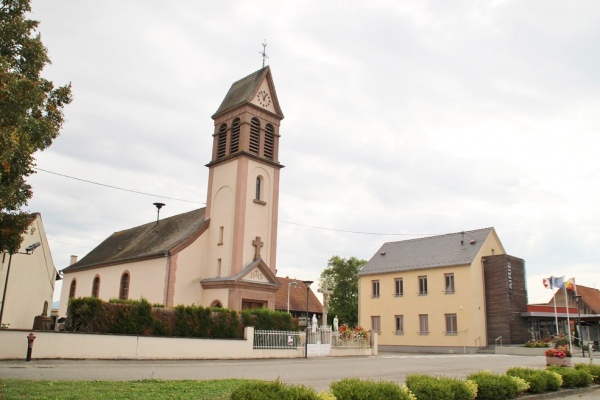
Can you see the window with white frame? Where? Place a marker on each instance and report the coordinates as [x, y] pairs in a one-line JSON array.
[[376, 324], [423, 285], [399, 287], [375, 288], [399, 324], [449, 283], [423, 324], [451, 324]]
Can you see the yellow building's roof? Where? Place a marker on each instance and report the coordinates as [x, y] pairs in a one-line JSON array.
[[459, 248]]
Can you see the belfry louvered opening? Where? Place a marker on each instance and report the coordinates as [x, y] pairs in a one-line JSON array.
[[254, 136], [269, 141], [235, 136], [222, 143]]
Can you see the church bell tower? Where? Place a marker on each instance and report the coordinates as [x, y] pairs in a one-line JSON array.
[[243, 193]]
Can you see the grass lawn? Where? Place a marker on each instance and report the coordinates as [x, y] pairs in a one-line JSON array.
[[144, 389]]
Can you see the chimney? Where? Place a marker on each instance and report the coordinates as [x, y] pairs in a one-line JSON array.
[[73, 260]]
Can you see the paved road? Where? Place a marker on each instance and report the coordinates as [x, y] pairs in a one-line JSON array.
[[315, 372]]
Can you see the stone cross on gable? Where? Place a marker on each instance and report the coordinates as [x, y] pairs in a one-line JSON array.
[[326, 292], [257, 243]]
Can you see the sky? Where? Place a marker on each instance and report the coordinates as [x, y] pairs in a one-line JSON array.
[[402, 120]]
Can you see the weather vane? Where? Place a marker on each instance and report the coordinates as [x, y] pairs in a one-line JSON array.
[[264, 52]]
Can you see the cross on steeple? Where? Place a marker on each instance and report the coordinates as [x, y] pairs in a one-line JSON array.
[[257, 243], [264, 52]]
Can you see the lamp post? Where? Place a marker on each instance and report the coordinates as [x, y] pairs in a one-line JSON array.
[[289, 288], [29, 250], [307, 283], [579, 323]]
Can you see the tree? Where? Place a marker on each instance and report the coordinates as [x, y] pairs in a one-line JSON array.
[[341, 276], [31, 115]]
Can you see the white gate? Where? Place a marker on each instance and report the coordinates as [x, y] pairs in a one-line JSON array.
[[319, 342]]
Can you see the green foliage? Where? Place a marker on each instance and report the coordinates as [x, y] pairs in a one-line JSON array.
[[592, 369], [83, 313], [573, 377], [259, 390], [147, 389], [342, 279], [31, 115], [539, 380], [491, 386], [356, 389], [426, 387], [138, 317], [265, 319]]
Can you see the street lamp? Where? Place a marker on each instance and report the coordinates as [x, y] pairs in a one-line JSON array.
[[577, 297], [307, 283], [29, 250], [289, 288]]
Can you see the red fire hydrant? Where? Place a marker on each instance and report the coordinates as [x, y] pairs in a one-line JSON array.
[[30, 339]]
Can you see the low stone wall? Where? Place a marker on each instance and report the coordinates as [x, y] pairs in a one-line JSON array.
[[68, 345], [521, 351]]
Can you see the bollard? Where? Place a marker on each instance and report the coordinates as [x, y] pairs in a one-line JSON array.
[[591, 351], [30, 339]]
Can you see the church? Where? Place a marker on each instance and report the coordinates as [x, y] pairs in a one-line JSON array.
[[223, 255]]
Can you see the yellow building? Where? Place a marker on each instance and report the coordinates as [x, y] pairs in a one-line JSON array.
[[429, 294]]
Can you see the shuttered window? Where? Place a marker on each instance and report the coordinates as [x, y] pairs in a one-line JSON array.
[[254, 146]]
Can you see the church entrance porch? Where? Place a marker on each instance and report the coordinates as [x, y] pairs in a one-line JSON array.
[[250, 304]]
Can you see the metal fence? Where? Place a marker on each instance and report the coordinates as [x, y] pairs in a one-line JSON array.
[[279, 340]]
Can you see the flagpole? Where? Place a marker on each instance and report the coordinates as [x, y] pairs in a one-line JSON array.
[[568, 320], [555, 314]]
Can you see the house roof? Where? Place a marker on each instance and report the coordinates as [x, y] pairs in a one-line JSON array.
[[429, 252], [590, 296], [297, 297], [244, 90], [144, 241]]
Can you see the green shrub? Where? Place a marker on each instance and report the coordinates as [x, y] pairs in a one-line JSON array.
[[539, 380], [573, 377], [554, 380], [491, 386], [356, 389], [83, 314], [265, 319], [592, 369], [426, 387], [259, 390]]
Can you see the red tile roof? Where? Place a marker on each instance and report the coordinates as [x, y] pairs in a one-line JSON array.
[[589, 296], [297, 297]]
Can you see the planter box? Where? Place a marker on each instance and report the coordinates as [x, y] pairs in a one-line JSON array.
[[562, 362]]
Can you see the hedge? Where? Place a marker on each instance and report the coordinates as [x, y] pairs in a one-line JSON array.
[[138, 317]]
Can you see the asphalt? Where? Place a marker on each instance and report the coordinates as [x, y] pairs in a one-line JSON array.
[[318, 372]]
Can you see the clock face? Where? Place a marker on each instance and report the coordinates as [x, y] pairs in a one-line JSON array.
[[264, 98]]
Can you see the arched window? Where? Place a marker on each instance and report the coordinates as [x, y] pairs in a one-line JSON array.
[[73, 288], [234, 146], [96, 286], [216, 304], [258, 187], [124, 288], [254, 146], [222, 141], [269, 141]]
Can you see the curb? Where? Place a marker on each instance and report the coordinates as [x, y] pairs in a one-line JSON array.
[[562, 393]]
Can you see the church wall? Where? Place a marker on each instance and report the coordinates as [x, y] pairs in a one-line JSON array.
[[189, 263], [147, 280], [221, 216], [259, 215]]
